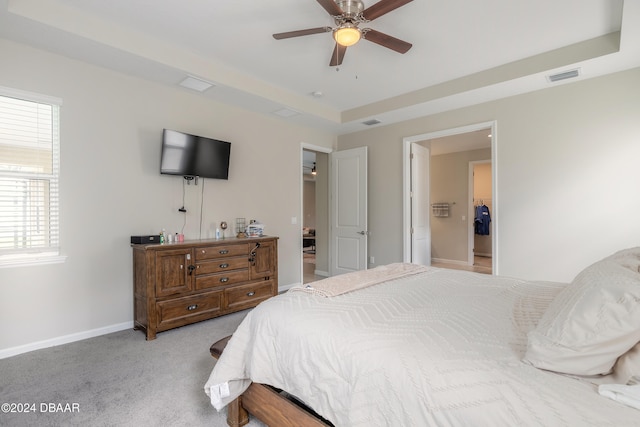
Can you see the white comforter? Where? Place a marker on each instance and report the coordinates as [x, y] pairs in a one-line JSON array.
[[439, 348]]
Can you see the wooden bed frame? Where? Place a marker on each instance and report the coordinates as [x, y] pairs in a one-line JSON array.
[[268, 404]]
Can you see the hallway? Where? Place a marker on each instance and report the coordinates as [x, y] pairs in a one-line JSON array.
[[309, 268]]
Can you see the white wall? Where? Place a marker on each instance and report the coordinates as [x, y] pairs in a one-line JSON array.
[[567, 175], [111, 126]]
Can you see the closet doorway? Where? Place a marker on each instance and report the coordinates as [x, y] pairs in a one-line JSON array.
[[452, 234], [481, 201]]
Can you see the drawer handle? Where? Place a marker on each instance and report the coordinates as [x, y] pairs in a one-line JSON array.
[[224, 265], [250, 294], [192, 307], [224, 279], [252, 255], [224, 251]]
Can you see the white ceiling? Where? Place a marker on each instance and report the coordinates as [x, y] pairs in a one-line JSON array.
[[464, 52]]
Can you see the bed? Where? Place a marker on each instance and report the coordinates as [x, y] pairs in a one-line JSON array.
[[413, 345]]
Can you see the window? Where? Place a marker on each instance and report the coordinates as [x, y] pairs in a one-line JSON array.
[[29, 172]]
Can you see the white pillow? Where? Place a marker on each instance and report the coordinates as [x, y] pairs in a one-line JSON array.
[[627, 366], [593, 321]]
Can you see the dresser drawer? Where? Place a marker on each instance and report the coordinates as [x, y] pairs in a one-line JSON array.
[[229, 250], [249, 295], [221, 279], [181, 311], [222, 264]]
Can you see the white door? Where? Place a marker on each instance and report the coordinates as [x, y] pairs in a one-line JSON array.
[[420, 226], [348, 211]]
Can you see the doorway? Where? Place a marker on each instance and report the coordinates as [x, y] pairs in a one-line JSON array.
[[314, 217], [481, 202], [457, 219]]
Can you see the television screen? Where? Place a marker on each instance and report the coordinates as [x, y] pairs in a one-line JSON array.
[[190, 155]]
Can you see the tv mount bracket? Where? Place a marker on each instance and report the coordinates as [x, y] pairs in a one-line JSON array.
[[190, 178]]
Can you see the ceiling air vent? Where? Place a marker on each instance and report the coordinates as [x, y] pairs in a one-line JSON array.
[[285, 112], [564, 75], [196, 84], [371, 122]]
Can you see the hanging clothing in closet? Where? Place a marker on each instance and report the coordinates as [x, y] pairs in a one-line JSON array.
[[482, 220]]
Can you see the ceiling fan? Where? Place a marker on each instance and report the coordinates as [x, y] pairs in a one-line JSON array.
[[348, 15]]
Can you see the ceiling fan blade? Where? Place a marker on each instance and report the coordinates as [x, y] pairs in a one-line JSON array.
[[331, 7], [298, 33], [387, 41], [382, 7], [338, 55]]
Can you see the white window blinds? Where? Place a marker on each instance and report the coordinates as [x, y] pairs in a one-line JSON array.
[[29, 171]]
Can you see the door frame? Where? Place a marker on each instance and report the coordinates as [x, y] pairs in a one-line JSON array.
[[470, 229], [406, 183], [320, 149]]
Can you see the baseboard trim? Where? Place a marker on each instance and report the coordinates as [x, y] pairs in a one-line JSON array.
[[483, 254], [285, 288], [65, 339], [449, 261]]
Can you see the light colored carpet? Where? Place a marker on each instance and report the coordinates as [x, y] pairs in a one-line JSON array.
[[119, 379]]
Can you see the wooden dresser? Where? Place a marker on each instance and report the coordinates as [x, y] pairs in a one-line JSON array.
[[175, 284]]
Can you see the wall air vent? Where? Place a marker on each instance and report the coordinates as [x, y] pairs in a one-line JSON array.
[[564, 75], [371, 122]]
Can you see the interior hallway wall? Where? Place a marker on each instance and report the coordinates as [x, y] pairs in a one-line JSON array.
[[309, 204], [322, 214]]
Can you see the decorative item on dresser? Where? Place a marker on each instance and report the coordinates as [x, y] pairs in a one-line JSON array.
[[185, 282]]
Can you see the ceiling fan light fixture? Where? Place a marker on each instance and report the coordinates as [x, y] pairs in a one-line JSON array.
[[347, 35]]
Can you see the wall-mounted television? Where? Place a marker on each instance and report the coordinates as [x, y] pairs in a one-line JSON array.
[[191, 155]]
